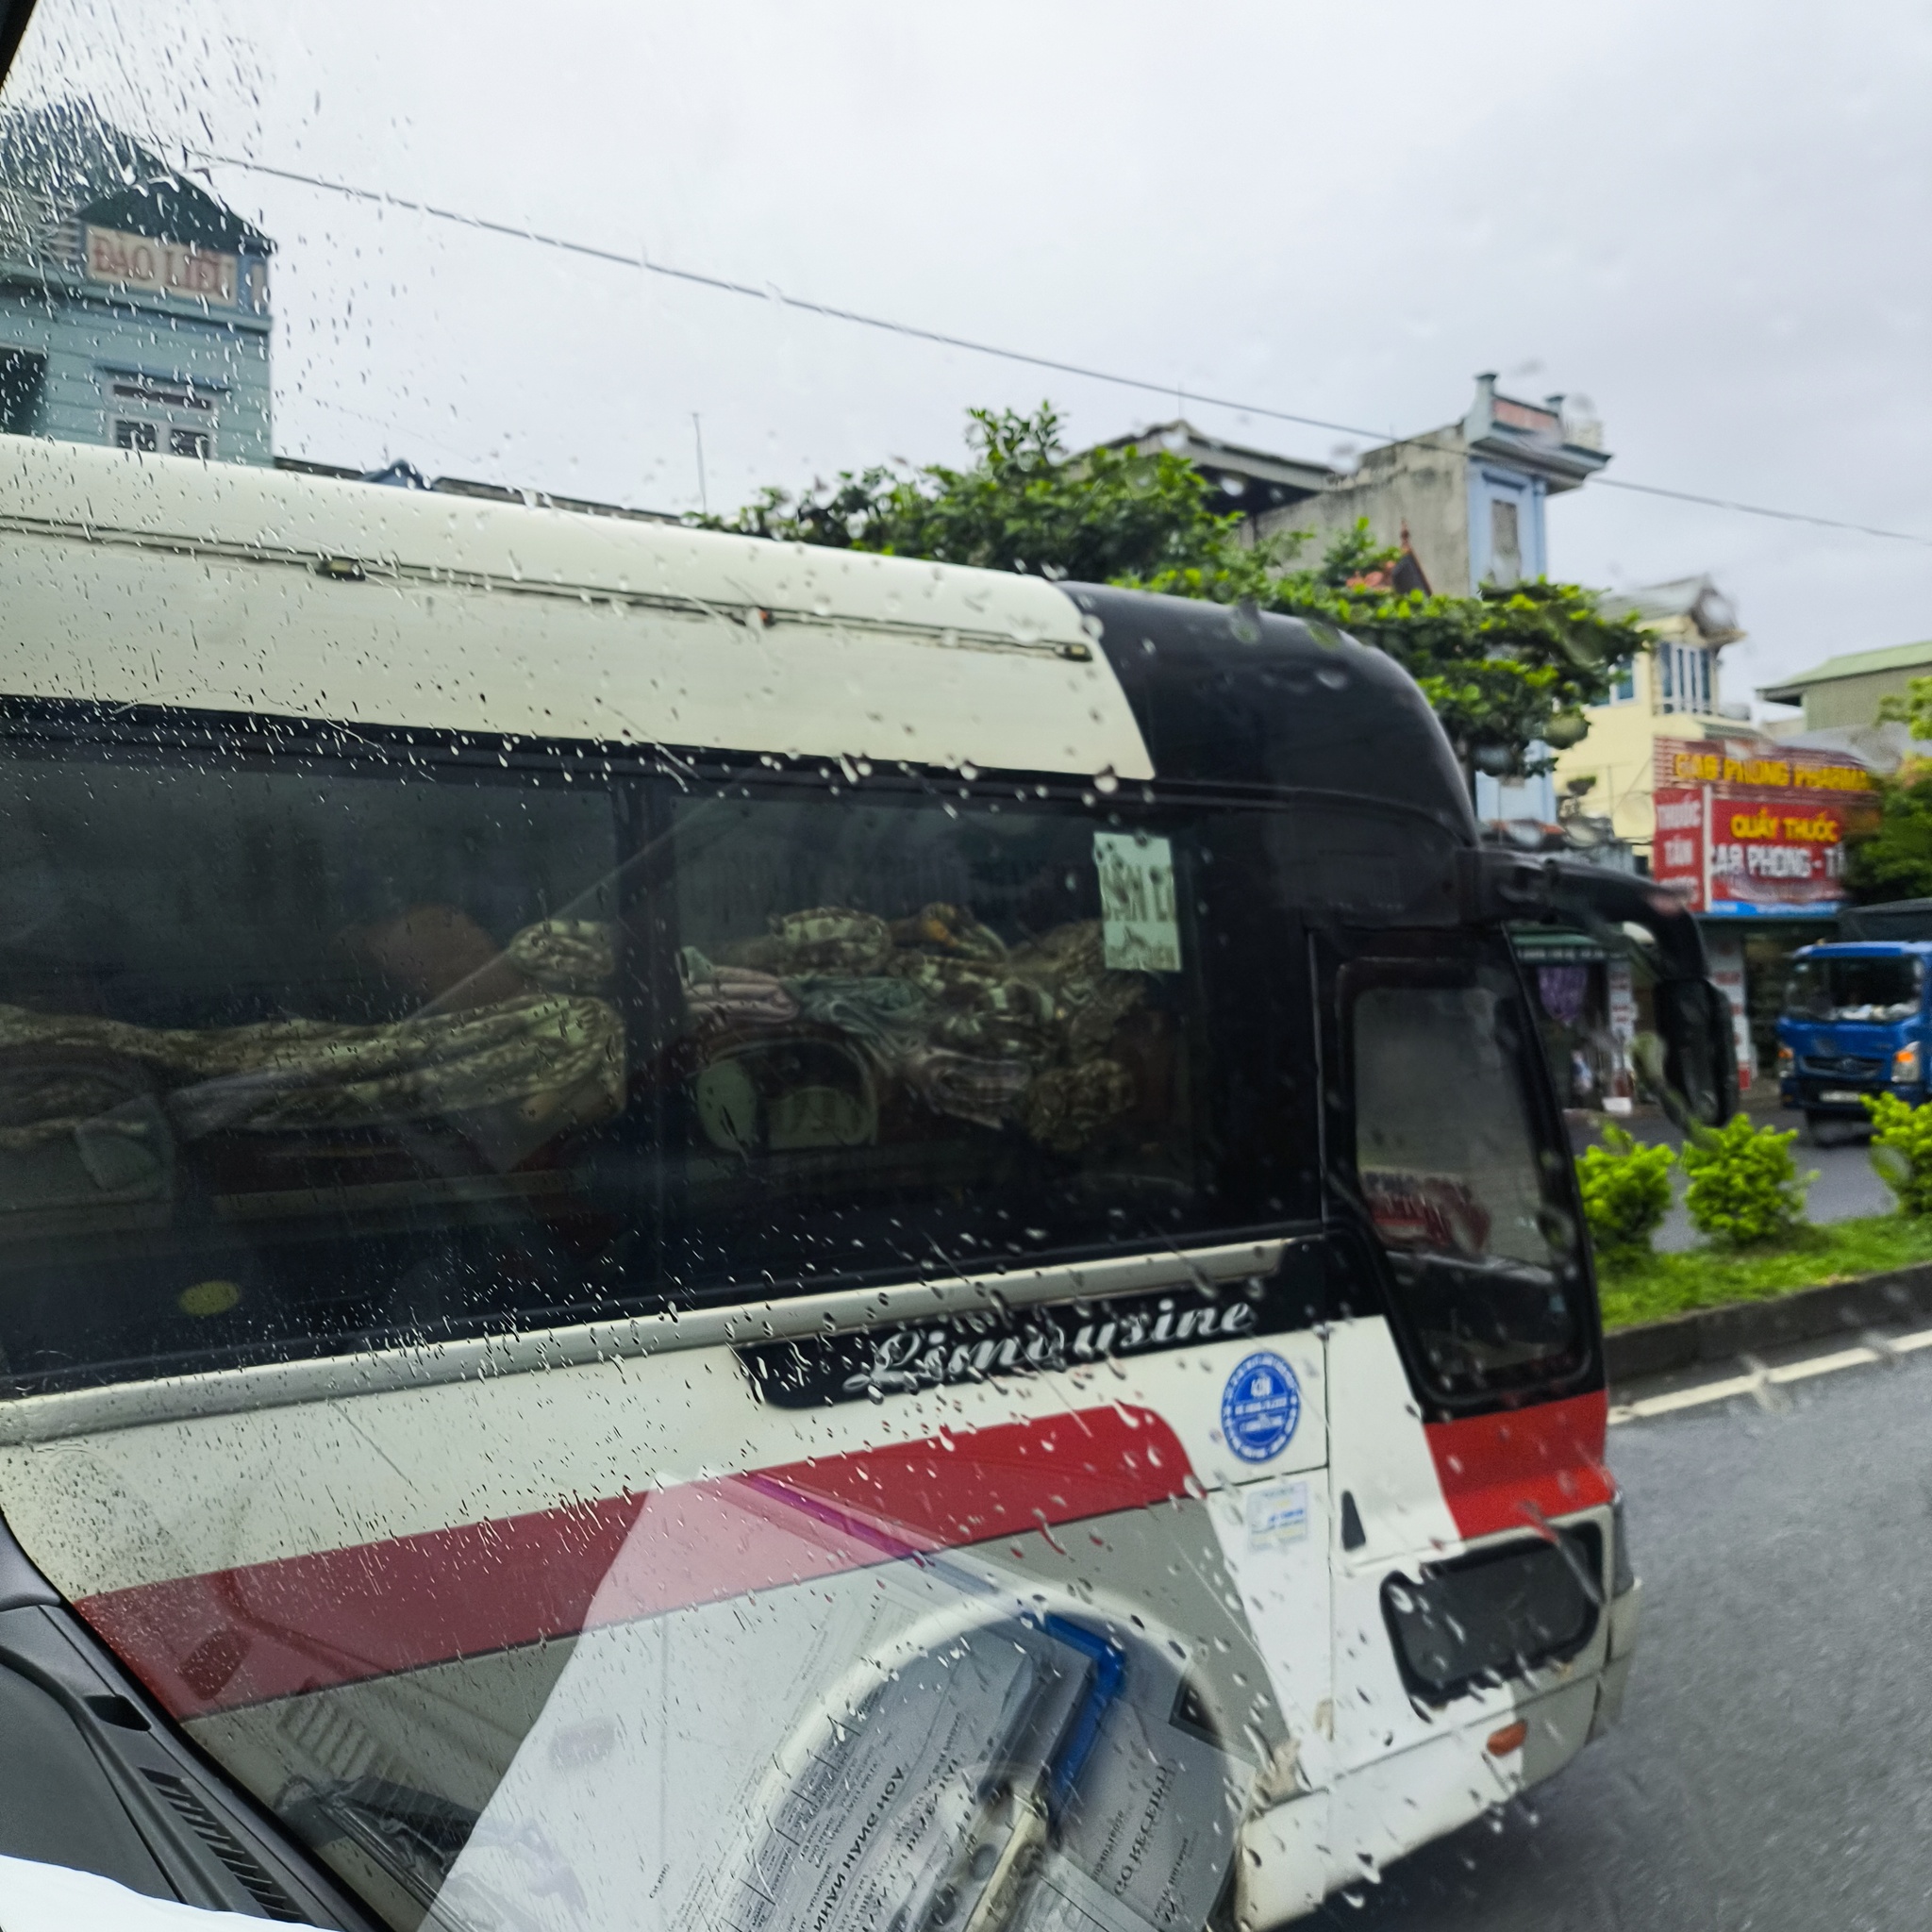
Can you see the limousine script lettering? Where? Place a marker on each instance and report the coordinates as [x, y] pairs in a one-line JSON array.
[[921, 1359], [974, 1347]]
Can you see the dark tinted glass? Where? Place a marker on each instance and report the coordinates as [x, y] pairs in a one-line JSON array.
[[1453, 1171], [310, 1052]]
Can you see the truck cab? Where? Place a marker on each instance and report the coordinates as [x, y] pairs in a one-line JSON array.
[[1853, 1025]]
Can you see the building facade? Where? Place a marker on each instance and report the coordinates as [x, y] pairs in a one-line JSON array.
[[1468, 501], [1844, 693], [134, 307], [1674, 691], [1750, 828]]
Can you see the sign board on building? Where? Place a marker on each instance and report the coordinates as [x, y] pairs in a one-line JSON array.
[[161, 268], [1744, 834]]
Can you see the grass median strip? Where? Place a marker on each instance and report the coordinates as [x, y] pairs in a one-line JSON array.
[[1646, 1287]]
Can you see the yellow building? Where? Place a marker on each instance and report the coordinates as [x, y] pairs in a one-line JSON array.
[[1671, 690]]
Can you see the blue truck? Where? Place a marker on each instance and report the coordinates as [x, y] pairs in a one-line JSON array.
[[1854, 1017]]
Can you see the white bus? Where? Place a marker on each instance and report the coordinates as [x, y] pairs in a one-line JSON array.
[[701, 1234]]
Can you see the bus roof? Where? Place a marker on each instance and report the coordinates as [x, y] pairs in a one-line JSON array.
[[140, 579], [133, 580]]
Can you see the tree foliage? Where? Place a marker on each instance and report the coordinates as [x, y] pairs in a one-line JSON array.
[[1504, 669], [1891, 855], [1625, 1189], [1743, 1184], [1891, 858], [1902, 1150]]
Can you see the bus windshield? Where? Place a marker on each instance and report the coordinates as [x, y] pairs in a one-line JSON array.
[[1852, 985]]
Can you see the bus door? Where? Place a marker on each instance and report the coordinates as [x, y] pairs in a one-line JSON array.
[[621, 1351], [1467, 1424]]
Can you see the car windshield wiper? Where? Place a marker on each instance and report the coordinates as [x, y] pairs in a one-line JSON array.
[[414, 1836]]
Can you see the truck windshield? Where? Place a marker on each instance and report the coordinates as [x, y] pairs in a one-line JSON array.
[[1855, 987]]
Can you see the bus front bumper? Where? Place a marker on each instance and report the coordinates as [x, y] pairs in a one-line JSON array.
[[1294, 1856]]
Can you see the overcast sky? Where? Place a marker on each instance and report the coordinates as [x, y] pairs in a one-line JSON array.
[[1711, 219]]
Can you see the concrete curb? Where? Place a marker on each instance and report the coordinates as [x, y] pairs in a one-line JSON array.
[[1716, 1335]]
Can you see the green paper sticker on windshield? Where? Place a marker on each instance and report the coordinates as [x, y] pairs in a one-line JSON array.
[[1138, 931]]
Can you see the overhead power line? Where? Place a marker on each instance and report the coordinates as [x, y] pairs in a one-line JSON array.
[[914, 332]]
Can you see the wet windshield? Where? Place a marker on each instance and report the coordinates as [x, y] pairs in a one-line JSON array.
[[1850, 987], [909, 931]]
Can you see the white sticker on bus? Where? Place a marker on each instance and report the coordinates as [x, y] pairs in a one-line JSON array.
[[1278, 1513], [1139, 932]]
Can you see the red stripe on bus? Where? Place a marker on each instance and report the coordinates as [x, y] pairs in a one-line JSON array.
[[1520, 1466], [235, 1637]]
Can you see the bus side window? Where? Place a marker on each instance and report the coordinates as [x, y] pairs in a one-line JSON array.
[[1451, 1177], [1443, 1150]]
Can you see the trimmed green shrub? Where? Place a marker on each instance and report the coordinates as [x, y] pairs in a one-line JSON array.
[[1625, 1189], [1902, 1150], [1744, 1185]]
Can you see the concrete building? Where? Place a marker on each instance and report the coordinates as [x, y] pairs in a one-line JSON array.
[[134, 306], [1843, 693], [1465, 503], [1467, 500], [1673, 691], [1253, 481]]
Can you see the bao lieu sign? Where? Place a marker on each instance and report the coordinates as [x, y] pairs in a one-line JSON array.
[[1744, 832], [161, 268]]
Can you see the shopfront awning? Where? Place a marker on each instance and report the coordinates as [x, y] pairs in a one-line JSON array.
[[1553, 945]]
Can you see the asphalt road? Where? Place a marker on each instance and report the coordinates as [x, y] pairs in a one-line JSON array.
[[1773, 1767]]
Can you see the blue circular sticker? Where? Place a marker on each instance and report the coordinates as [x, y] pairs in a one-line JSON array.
[[1260, 1406]]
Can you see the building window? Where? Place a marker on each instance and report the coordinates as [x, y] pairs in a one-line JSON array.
[[1684, 675], [21, 375], [1625, 690], [157, 412], [170, 395], [1506, 542]]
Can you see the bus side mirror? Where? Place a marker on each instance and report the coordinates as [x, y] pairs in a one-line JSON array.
[[1691, 1060], [1699, 1074]]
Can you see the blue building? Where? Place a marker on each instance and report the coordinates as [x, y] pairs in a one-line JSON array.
[[134, 306]]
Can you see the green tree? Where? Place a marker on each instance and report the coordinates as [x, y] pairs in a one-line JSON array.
[[1504, 669], [1890, 857], [1625, 1189], [1023, 503], [1743, 1184], [1902, 1150]]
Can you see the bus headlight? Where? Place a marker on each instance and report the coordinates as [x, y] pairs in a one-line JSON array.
[[1905, 1066], [1787, 1062]]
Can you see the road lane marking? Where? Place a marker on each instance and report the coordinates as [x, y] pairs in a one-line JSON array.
[[1760, 1379], [1824, 1364]]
